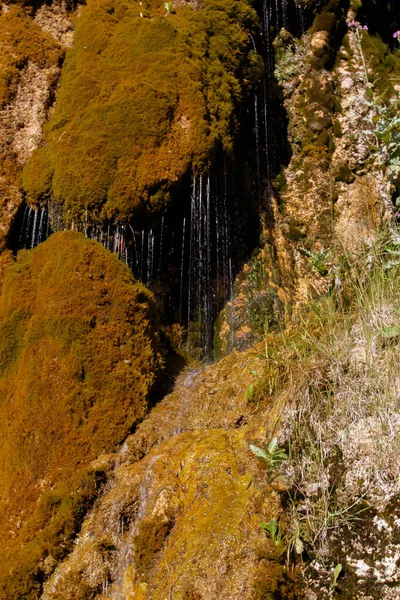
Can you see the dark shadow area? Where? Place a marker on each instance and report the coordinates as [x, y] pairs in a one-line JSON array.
[[382, 18]]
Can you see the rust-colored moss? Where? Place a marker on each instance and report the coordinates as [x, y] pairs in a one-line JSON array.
[[78, 356], [142, 99]]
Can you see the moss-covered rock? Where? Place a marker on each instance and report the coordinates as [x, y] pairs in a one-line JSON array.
[[144, 96], [184, 522], [29, 67], [78, 357]]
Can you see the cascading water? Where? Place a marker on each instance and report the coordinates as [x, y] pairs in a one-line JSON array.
[[127, 551], [270, 120], [35, 227], [194, 253], [191, 255]]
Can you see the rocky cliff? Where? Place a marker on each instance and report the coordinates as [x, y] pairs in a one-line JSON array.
[[244, 162]]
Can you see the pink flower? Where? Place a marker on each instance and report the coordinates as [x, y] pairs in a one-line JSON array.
[[365, 27], [396, 35]]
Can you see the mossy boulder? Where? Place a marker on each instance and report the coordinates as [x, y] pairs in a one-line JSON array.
[[144, 97], [78, 358]]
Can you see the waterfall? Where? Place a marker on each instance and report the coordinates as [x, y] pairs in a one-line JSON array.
[[34, 227], [190, 255]]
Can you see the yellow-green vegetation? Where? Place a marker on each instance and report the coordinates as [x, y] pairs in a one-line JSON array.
[[78, 357], [144, 96], [22, 41], [384, 64]]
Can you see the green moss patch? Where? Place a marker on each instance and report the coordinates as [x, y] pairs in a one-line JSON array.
[[142, 99]]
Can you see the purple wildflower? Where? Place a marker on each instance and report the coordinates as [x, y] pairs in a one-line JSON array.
[[365, 27], [396, 35]]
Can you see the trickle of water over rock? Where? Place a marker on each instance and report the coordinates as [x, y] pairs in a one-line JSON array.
[[184, 408], [126, 560]]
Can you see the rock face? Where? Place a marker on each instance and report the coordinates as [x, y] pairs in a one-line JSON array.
[[181, 512], [108, 495], [31, 51], [78, 358], [330, 199]]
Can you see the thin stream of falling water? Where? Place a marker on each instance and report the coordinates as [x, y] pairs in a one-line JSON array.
[[126, 554], [142, 259], [28, 227], [257, 132], [208, 291], [22, 231], [184, 408], [200, 223], [150, 248], [191, 249], [34, 228], [161, 245], [182, 267], [40, 235]]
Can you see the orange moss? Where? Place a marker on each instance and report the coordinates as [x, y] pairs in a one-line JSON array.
[[78, 356], [149, 541]]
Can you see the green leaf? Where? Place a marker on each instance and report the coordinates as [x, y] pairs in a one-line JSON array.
[[298, 546], [272, 445], [249, 392], [336, 573], [390, 332], [259, 452]]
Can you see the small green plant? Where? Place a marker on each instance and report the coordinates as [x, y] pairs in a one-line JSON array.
[[286, 67], [271, 456], [290, 542], [273, 531], [294, 539], [249, 392], [336, 572], [168, 7], [319, 260]]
